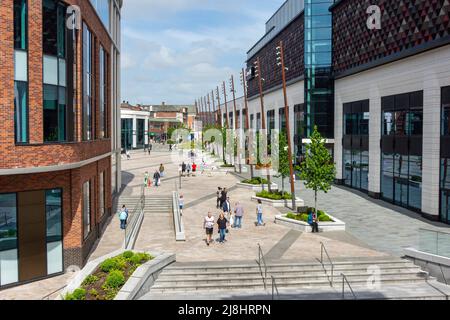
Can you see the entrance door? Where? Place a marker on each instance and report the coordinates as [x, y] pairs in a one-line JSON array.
[[32, 235], [445, 210]]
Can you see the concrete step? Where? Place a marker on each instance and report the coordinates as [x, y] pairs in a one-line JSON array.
[[391, 280], [277, 274]]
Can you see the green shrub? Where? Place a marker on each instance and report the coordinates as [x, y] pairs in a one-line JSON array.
[[93, 293], [256, 181], [90, 280], [274, 195], [78, 295], [117, 263], [127, 254], [323, 217], [140, 258], [115, 279]]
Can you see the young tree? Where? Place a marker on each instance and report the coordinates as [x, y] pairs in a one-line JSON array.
[[283, 162], [318, 169]]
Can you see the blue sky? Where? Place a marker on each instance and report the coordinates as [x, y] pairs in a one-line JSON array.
[[176, 50]]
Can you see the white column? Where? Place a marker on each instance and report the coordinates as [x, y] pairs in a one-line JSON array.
[[431, 144], [375, 124], [146, 133], [338, 135], [134, 132]]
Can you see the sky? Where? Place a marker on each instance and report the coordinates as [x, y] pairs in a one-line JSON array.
[[176, 50]]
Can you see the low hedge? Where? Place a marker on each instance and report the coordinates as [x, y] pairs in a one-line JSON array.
[[323, 217], [256, 181], [274, 195]]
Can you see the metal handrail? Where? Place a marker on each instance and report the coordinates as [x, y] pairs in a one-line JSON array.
[[47, 297], [261, 258], [138, 210], [274, 287], [345, 280], [322, 250], [434, 231]]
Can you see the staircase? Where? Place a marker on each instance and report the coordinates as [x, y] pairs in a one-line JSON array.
[[398, 278]]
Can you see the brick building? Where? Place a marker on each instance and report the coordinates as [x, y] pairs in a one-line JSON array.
[[59, 167]]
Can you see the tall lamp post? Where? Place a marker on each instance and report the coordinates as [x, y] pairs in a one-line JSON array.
[[247, 114], [258, 75], [280, 63], [214, 107], [233, 91], [220, 120], [224, 89], [209, 109]]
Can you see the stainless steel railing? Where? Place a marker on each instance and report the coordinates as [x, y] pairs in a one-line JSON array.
[[345, 281], [262, 261], [134, 218], [323, 250], [274, 288]]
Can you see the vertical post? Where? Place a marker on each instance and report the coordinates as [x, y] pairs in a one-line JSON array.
[[226, 106], [235, 120], [288, 130], [209, 109], [214, 106], [247, 114], [220, 121]]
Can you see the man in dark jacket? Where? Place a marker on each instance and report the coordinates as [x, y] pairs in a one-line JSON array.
[[157, 177]]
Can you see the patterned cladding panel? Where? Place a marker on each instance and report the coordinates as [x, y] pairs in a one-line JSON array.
[[405, 24]]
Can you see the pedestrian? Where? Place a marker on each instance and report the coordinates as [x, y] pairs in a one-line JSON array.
[[146, 179], [189, 168], [219, 195], [170, 147], [238, 214], [222, 223], [226, 208], [150, 147], [194, 169], [123, 216], [181, 203], [313, 221], [208, 225], [156, 178], [161, 170], [183, 169], [259, 214], [223, 197], [127, 152]]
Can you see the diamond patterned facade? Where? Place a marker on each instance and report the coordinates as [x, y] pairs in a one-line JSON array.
[[405, 25]]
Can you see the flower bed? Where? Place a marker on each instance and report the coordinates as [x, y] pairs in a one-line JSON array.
[[278, 195], [303, 216], [109, 277], [256, 181]]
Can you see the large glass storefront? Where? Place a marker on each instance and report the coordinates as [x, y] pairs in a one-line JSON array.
[[445, 156], [140, 138], [127, 134], [356, 145], [299, 131], [401, 178], [31, 236]]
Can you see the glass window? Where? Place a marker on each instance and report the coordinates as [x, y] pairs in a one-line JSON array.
[[87, 208], [101, 192], [53, 209], [54, 113], [281, 120], [252, 118], [446, 111], [21, 111], [20, 24], [102, 8], [9, 269], [87, 84], [50, 27], [103, 93]]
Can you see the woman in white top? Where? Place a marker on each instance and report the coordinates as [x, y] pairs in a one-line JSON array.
[[259, 214], [208, 224]]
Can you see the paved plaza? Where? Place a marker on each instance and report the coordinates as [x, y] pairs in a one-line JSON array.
[[374, 229]]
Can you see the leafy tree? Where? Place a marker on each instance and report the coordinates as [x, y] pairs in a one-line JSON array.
[[318, 169], [283, 159]]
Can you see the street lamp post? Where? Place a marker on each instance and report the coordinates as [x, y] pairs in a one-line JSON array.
[[247, 115], [258, 74], [280, 63], [233, 91], [220, 120]]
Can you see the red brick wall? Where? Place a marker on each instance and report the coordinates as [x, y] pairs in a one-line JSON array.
[[37, 154]]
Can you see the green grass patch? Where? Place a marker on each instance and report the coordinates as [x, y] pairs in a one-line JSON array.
[[274, 195], [323, 217]]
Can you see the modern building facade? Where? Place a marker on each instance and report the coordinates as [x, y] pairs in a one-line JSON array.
[[57, 170], [380, 97], [143, 123]]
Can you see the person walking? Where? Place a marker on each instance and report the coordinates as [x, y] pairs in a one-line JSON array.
[[259, 214], [181, 203], [146, 179], [194, 169], [226, 208], [189, 168], [223, 197], [161, 170], [313, 221], [127, 152], [183, 169], [123, 216], [222, 224], [150, 147], [156, 178], [208, 225], [219, 195], [238, 214]]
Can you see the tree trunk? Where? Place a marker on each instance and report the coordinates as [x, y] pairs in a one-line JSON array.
[[315, 202]]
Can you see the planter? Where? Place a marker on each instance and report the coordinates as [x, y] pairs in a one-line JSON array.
[[257, 187], [279, 203], [336, 225], [134, 286]]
